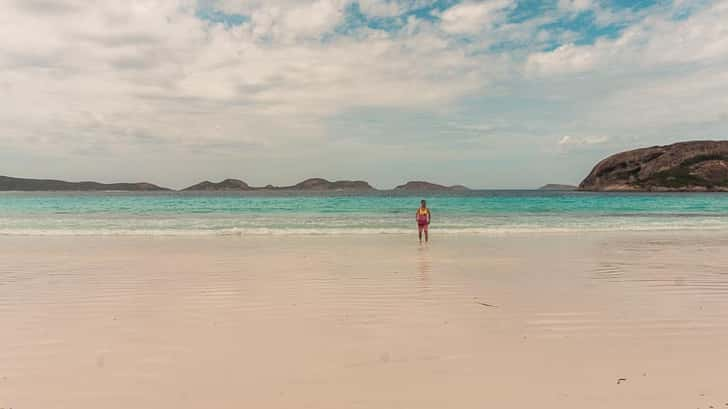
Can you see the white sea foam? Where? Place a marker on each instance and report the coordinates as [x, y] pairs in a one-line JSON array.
[[265, 231]]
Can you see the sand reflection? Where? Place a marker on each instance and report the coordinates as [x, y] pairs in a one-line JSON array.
[[424, 267]]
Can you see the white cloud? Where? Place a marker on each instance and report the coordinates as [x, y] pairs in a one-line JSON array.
[[149, 79], [657, 41], [474, 17], [152, 68], [566, 59], [569, 140], [380, 8], [575, 5], [312, 19], [660, 73]]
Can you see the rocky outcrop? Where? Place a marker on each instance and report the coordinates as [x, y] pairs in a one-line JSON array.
[[558, 187], [36, 185], [226, 185], [686, 166], [420, 186]]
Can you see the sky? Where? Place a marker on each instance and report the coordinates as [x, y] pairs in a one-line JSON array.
[[490, 94]]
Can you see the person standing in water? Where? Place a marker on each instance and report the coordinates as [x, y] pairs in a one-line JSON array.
[[423, 218]]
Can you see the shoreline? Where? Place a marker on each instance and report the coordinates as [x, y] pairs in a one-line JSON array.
[[254, 233]]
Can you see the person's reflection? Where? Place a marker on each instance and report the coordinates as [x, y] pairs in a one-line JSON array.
[[424, 265]]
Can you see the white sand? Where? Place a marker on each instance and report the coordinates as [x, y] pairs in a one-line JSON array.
[[365, 322]]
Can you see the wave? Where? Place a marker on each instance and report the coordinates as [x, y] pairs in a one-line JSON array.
[[262, 231]]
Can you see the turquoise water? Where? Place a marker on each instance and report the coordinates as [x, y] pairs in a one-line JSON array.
[[477, 212]]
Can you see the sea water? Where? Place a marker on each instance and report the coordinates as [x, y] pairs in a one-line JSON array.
[[284, 213]]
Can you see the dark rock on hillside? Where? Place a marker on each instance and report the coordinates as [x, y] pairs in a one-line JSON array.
[[226, 185], [554, 186], [420, 186], [38, 185], [685, 166]]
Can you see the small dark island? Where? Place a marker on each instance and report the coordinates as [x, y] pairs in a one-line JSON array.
[[227, 185], [319, 184], [420, 186], [699, 166]]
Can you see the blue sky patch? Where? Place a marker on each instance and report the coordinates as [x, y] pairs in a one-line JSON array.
[[529, 9], [583, 27], [355, 18], [216, 16]]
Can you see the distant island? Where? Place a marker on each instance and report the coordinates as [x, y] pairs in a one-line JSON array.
[[697, 166], [554, 186], [20, 184], [323, 184], [226, 185], [420, 186], [313, 184]]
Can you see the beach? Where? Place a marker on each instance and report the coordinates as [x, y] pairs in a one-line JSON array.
[[586, 319], [363, 204]]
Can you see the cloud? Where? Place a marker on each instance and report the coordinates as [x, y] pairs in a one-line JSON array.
[[575, 5], [381, 8], [566, 59], [569, 140], [657, 41], [151, 79], [308, 19], [474, 17], [660, 73], [133, 74]]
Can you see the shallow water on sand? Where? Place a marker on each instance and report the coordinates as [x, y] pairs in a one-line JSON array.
[[618, 320], [481, 212]]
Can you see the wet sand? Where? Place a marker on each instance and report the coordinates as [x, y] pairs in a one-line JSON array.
[[628, 320]]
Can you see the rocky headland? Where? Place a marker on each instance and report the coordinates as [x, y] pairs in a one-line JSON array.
[[697, 166]]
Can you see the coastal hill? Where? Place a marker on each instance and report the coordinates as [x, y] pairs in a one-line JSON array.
[[225, 185], [554, 186], [420, 186], [313, 184], [685, 166], [228, 185], [29, 185], [323, 184]]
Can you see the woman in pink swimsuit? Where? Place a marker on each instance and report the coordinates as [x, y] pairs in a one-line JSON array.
[[423, 217]]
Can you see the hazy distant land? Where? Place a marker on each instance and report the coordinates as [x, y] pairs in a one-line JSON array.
[[20, 184], [315, 184], [228, 185], [683, 167], [560, 187]]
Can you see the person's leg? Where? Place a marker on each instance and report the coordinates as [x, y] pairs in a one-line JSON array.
[[427, 234], [419, 230]]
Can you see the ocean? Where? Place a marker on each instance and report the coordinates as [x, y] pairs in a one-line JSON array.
[[483, 212]]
